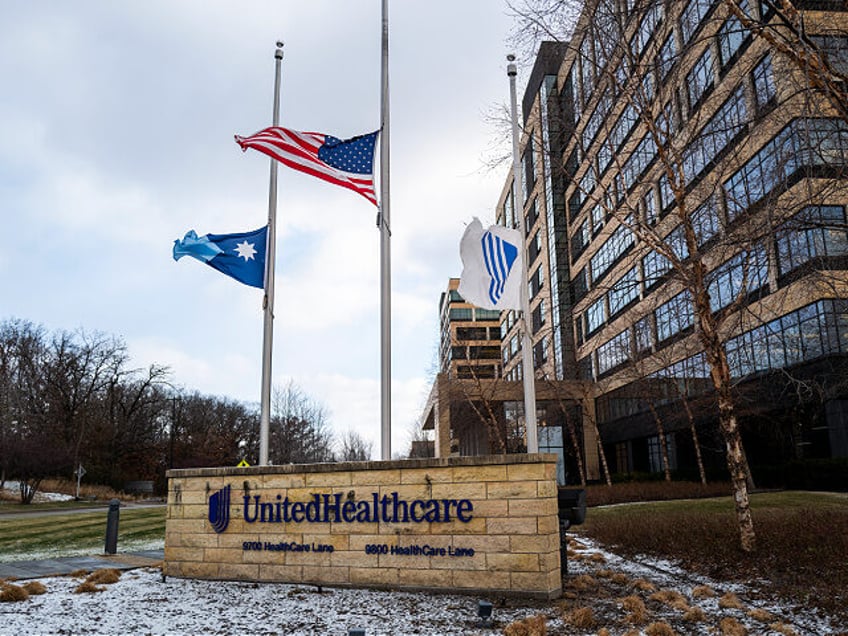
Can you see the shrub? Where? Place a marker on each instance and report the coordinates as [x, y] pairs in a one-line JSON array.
[[660, 629], [581, 618], [636, 606], [731, 627], [87, 587], [730, 601], [10, 593], [532, 626], [34, 588], [106, 576]]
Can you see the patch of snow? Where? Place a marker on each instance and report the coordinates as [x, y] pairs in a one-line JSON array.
[[142, 603], [13, 489]]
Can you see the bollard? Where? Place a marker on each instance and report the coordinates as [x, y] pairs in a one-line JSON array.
[[112, 527]]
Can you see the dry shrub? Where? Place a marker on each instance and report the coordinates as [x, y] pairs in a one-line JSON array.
[[619, 578], [582, 583], [575, 544], [660, 629], [761, 615], [644, 586], [783, 628], [581, 618], [571, 555], [636, 606], [10, 593], [731, 627], [694, 615], [106, 576], [632, 632], [730, 601], [78, 574], [87, 587], [671, 598], [603, 631], [597, 557], [604, 574], [703, 591], [34, 588], [531, 626]]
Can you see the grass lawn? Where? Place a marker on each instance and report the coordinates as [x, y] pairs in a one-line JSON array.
[[802, 540], [68, 533]]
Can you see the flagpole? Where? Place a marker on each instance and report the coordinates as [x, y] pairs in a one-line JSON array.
[[526, 346], [385, 253], [268, 302]]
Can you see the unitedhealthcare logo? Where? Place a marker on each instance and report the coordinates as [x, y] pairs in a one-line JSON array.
[[219, 509]]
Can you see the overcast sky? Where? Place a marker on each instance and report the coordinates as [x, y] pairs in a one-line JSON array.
[[116, 138]]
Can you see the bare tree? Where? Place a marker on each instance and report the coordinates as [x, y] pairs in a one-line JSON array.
[[354, 448]]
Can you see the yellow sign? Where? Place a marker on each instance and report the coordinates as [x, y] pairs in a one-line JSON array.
[[243, 464]]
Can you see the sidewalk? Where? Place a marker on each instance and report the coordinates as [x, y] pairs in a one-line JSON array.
[[66, 565]]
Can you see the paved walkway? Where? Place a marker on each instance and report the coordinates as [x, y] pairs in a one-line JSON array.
[[66, 565]]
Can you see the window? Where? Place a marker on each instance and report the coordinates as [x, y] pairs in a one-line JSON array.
[[471, 333], [529, 169], [540, 352], [740, 275], [666, 57], [731, 36], [764, 83], [692, 17], [814, 232], [535, 247], [655, 453], [579, 240], [803, 143], [674, 316], [624, 291], [579, 286], [638, 162], [835, 49], [716, 135], [536, 281], [598, 219], [654, 267], [650, 208], [460, 313], [705, 221], [487, 314], [611, 250], [587, 68], [700, 79], [595, 316], [643, 332], [539, 316], [647, 26], [613, 353]]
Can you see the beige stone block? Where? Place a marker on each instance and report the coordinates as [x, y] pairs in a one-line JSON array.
[[199, 570], [198, 541], [510, 526], [374, 576], [359, 541], [479, 473], [490, 508], [433, 541], [302, 494], [328, 480], [283, 482], [320, 575], [425, 578], [530, 472], [511, 489], [222, 555], [337, 541], [484, 543], [180, 526], [350, 558], [546, 489], [532, 507], [238, 571], [425, 475], [448, 562], [475, 526], [235, 540], [549, 561], [354, 529], [537, 544], [554, 580], [183, 554], [513, 562], [280, 573], [468, 490], [481, 580], [407, 529], [375, 477], [548, 524], [407, 493], [530, 582], [402, 561]]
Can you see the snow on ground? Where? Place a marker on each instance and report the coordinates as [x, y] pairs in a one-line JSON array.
[[13, 489], [142, 603]]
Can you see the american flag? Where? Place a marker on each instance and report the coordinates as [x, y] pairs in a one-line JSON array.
[[345, 162]]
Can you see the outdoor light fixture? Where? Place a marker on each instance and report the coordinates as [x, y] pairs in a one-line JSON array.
[[484, 611]]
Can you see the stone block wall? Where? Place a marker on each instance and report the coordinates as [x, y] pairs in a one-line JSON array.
[[499, 534]]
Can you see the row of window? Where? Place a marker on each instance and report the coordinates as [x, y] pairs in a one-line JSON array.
[[813, 233]]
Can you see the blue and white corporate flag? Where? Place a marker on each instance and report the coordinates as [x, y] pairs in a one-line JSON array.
[[491, 266], [241, 256]]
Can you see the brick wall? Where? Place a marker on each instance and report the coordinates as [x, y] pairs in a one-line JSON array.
[[513, 529]]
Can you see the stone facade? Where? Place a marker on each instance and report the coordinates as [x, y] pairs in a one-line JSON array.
[[506, 539]]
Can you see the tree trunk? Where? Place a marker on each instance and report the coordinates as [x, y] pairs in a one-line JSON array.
[[738, 466], [575, 444], [695, 441], [663, 445]]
